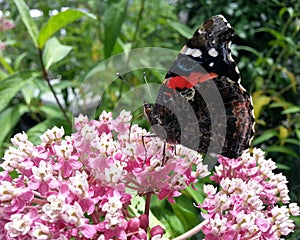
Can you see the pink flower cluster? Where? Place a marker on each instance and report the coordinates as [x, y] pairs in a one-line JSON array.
[[5, 25], [251, 201], [81, 186]]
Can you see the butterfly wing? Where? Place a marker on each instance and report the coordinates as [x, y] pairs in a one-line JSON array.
[[202, 104]]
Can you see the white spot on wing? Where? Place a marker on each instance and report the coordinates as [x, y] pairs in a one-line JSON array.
[[191, 51], [213, 52], [196, 53], [188, 51], [211, 64], [200, 31]]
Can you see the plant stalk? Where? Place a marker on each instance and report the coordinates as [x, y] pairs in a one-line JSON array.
[[47, 78]]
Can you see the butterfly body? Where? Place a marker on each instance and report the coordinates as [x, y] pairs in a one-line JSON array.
[[202, 104]]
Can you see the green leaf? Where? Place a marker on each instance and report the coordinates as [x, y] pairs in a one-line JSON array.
[[249, 49], [297, 221], [297, 132], [58, 22], [294, 109], [282, 149], [280, 104], [264, 137], [6, 66], [52, 111], [284, 10], [294, 141], [28, 21], [19, 59], [28, 92], [167, 217], [197, 195], [66, 84], [182, 29], [3, 74], [278, 35], [283, 166], [186, 212], [9, 87], [259, 102], [283, 134], [54, 52], [113, 19], [290, 75], [8, 120]]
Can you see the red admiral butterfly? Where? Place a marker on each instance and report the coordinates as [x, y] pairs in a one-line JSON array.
[[202, 104]]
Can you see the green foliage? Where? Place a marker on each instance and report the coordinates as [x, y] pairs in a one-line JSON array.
[[27, 20], [57, 22], [114, 17], [52, 54], [24, 78]]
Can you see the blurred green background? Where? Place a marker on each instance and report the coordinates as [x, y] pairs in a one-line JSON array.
[[44, 47]]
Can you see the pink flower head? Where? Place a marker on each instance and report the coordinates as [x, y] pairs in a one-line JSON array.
[[5, 24], [81, 186], [247, 204]]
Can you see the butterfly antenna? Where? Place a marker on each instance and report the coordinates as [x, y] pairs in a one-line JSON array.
[[146, 81], [124, 80]]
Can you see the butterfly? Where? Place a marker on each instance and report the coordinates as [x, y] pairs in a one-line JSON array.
[[202, 104]]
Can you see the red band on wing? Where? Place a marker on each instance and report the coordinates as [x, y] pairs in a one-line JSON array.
[[187, 82]]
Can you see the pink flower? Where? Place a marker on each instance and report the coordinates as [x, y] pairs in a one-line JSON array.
[[294, 209], [157, 230], [40, 231], [52, 135], [246, 205], [13, 197], [169, 194], [2, 48], [20, 223], [82, 186], [5, 24]]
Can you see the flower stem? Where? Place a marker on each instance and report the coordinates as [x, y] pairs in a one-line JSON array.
[[47, 78], [147, 205]]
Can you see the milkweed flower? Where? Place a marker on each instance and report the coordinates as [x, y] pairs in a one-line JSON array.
[[81, 185], [251, 201]]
